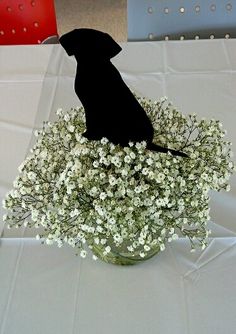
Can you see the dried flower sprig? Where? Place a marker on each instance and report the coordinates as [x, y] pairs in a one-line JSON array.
[[93, 192]]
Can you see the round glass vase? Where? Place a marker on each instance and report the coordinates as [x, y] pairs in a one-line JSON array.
[[120, 255]]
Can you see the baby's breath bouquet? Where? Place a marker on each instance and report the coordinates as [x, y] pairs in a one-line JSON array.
[[124, 203]]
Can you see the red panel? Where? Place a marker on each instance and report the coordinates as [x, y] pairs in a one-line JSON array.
[[27, 21]]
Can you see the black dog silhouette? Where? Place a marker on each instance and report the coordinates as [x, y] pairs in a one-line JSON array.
[[111, 110]]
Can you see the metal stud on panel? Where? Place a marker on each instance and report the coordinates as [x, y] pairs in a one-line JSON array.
[[228, 6], [213, 7], [198, 19]]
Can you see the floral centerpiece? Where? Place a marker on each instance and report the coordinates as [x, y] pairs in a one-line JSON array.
[[124, 203]]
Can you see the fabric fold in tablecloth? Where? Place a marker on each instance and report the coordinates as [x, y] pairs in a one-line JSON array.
[[49, 290]]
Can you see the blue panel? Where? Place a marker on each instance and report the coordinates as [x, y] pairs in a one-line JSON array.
[[155, 19]]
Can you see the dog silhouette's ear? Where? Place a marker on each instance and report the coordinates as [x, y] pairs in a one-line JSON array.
[[108, 47], [89, 43], [68, 41]]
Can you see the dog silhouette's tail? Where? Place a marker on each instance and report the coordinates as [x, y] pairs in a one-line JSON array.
[[157, 148]]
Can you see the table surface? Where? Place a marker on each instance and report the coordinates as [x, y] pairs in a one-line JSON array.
[[49, 290]]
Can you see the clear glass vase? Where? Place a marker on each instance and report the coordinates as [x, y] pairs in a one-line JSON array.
[[121, 256]]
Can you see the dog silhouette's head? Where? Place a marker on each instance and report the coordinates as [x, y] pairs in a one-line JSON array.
[[89, 43]]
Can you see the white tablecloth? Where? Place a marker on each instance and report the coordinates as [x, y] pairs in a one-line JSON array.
[[49, 290]]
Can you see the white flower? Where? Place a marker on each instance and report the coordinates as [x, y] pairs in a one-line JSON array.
[[145, 171], [83, 253], [102, 175], [159, 202], [49, 241], [95, 164], [74, 213], [162, 247], [71, 128], [116, 161], [112, 221], [127, 159], [130, 248], [81, 190], [172, 230], [138, 167], [117, 238], [94, 191], [163, 99], [99, 229], [180, 201], [112, 180], [149, 161], [124, 172], [108, 249], [4, 204], [59, 243], [78, 136], [59, 112], [71, 242], [160, 177], [96, 240], [104, 141], [102, 196], [194, 203], [136, 201], [141, 241], [44, 154], [132, 155], [140, 146], [66, 118], [36, 133], [163, 231], [147, 248], [34, 214]]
